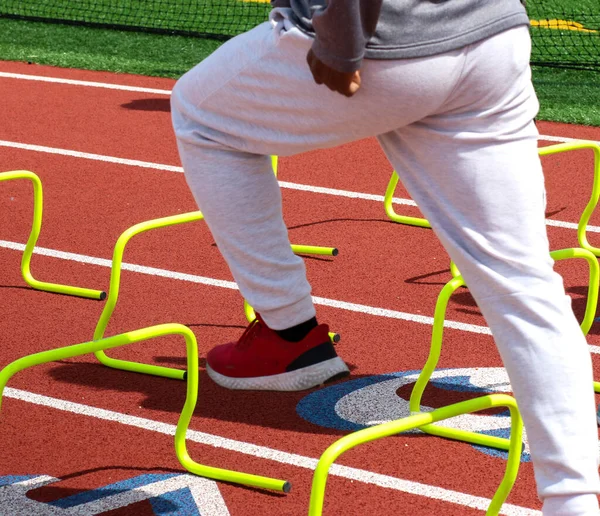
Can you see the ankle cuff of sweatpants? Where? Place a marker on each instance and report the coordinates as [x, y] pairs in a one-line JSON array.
[[571, 505], [290, 315]]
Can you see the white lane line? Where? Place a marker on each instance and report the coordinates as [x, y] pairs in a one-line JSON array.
[[192, 278], [263, 452], [213, 282], [125, 87], [205, 493], [141, 269], [570, 225], [87, 155], [284, 184], [565, 139], [91, 84], [139, 89], [343, 193], [171, 168], [393, 314]]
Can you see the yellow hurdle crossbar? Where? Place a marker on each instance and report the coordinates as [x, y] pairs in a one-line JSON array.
[[422, 420], [437, 337], [543, 151], [191, 375]]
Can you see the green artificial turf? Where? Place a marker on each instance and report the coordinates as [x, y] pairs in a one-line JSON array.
[[561, 6], [101, 49], [565, 95], [220, 17], [571, 96]]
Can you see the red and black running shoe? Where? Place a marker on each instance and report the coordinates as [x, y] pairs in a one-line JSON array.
[[262, 360]]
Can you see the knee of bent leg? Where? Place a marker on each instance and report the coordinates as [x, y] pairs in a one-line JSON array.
[[185, 116], [179, 95], [189, 92]]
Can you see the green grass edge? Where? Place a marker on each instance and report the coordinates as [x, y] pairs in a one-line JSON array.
[[569, 96]]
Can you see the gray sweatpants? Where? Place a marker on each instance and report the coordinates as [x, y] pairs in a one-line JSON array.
[[458, 128]]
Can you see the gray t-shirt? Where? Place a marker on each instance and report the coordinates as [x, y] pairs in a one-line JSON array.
[[346, 31]]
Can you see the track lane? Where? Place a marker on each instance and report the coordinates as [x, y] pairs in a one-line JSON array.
[[93, 384], [137, 126], [250, 415], [371, 247]]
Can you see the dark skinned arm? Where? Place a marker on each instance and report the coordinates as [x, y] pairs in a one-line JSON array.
[[342, 31]]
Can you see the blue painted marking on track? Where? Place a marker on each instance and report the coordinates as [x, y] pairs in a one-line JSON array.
[[457, 384], [179, 502], [109, 490], [319, 407], [13, 479], [175, 503]]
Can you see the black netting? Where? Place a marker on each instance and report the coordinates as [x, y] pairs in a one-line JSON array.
[[565, 36], [565, 33], [213, 18]]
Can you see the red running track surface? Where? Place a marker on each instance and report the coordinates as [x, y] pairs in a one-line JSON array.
[[381, 265]]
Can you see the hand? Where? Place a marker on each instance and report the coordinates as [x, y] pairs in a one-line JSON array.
[[343, 82]]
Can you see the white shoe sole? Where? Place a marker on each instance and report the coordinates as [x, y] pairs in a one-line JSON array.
[[297, 380]]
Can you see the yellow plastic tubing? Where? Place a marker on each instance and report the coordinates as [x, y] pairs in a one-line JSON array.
[[190, 400], [595, 195], [416, 421], [36, 227], [437, 336], [115, 280], [113, 294], [543, 151]]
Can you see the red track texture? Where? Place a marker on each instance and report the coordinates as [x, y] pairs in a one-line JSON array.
[[88, 204]]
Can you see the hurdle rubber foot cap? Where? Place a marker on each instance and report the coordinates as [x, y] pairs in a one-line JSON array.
[[287, 487], [102, 296], [336, 338], [335, 252]]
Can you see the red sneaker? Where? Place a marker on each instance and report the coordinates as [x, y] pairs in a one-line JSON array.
[[262, 360]]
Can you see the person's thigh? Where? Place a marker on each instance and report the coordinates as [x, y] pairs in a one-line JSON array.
[[256, 94], [474, 171]]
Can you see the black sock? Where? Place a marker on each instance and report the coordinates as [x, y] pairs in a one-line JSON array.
[[298, 332]]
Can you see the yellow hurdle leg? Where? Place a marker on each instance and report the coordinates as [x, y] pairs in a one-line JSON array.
[[113, 294], [595, 195], [115, 280], [542, 151], [436, 346], [373, 433], [190, 400], [36, 227], [389, 208]]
